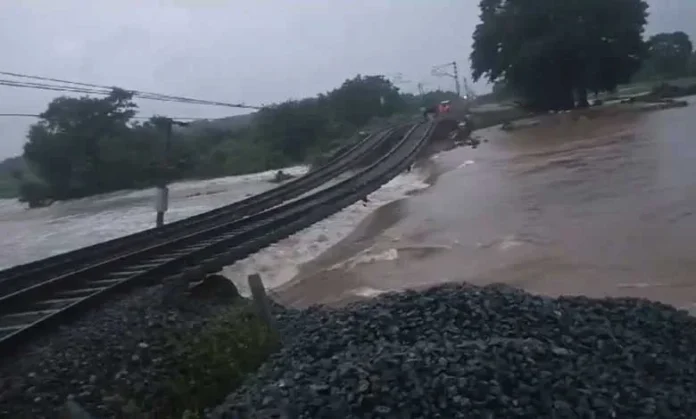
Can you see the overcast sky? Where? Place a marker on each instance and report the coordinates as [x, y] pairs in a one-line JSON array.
[[256, 51]]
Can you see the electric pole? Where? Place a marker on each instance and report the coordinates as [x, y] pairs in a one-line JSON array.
[[441, 71], [456, 79], [162, 198]]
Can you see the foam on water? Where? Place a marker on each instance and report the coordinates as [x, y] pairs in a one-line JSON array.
[[32, 234], [367, 292], [38, 233], [466, 163], [280, 262]]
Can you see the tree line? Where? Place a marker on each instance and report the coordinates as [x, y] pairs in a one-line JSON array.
[[553, 54], [88, 145]]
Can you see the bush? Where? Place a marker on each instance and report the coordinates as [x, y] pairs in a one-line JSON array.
[[212, 363], [35, 192]]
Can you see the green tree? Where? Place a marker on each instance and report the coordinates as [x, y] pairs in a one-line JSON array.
[[669, 55], [552, 53], [83, 146], [365, 97], [295, 129], [65, 147]]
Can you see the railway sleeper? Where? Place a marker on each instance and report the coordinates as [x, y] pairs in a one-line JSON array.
[[177, 253], [6, 330], [161, 259], [57, 303], [106, 282], [197, 246], [80, 292], [142, 266], [123, 273], [24, 318], [118, 275]]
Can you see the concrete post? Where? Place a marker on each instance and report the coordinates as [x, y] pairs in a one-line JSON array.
[[261, 302]]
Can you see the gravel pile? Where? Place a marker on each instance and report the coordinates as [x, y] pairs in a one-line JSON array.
[[465, 352], [120, 349]]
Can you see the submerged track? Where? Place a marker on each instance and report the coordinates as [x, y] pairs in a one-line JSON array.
[[35, 309]]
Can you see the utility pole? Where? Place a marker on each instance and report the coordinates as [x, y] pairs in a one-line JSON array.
[[440, 71], [162, 197], [456, 79]]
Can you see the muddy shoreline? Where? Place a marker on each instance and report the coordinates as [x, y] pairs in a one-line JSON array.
[[549, 208]]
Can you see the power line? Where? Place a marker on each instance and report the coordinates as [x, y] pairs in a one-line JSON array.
[[182, 118], [90, 88], [104, 91]]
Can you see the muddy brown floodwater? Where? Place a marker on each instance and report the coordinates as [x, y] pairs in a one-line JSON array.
[[601, 207]]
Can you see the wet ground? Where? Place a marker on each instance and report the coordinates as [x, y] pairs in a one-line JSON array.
[[601, 207]]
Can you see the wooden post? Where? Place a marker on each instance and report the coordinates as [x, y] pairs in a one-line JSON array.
[[263, 306]]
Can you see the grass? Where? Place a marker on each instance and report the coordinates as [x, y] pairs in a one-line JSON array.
[[209, 363]]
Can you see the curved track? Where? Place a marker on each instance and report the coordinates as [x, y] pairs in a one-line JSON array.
[[20, 276], [31, 310]]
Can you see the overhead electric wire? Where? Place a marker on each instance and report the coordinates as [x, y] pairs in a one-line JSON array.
[[181, 118], [90, 88], [43, 86]]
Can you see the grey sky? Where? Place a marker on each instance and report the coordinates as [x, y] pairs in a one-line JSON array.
[[258, 51]]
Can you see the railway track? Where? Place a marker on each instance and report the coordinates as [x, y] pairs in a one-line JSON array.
[[34, 309], [20, 276]]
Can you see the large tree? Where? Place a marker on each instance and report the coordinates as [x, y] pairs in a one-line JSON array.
[[553, 52], [66, 148], [669, 55], [296, 128], [88, 145]]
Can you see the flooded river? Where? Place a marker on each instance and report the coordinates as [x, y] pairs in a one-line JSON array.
[[27, 235], [596, 207]]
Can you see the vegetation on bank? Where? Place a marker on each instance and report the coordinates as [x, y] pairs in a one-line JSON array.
[[205, 365], [10, 170], [84, 145]]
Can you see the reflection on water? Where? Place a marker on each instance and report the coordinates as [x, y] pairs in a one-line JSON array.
[[599, 207]]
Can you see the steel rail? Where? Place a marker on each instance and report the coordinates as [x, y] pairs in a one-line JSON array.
[[20, 276], [30, 311]]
